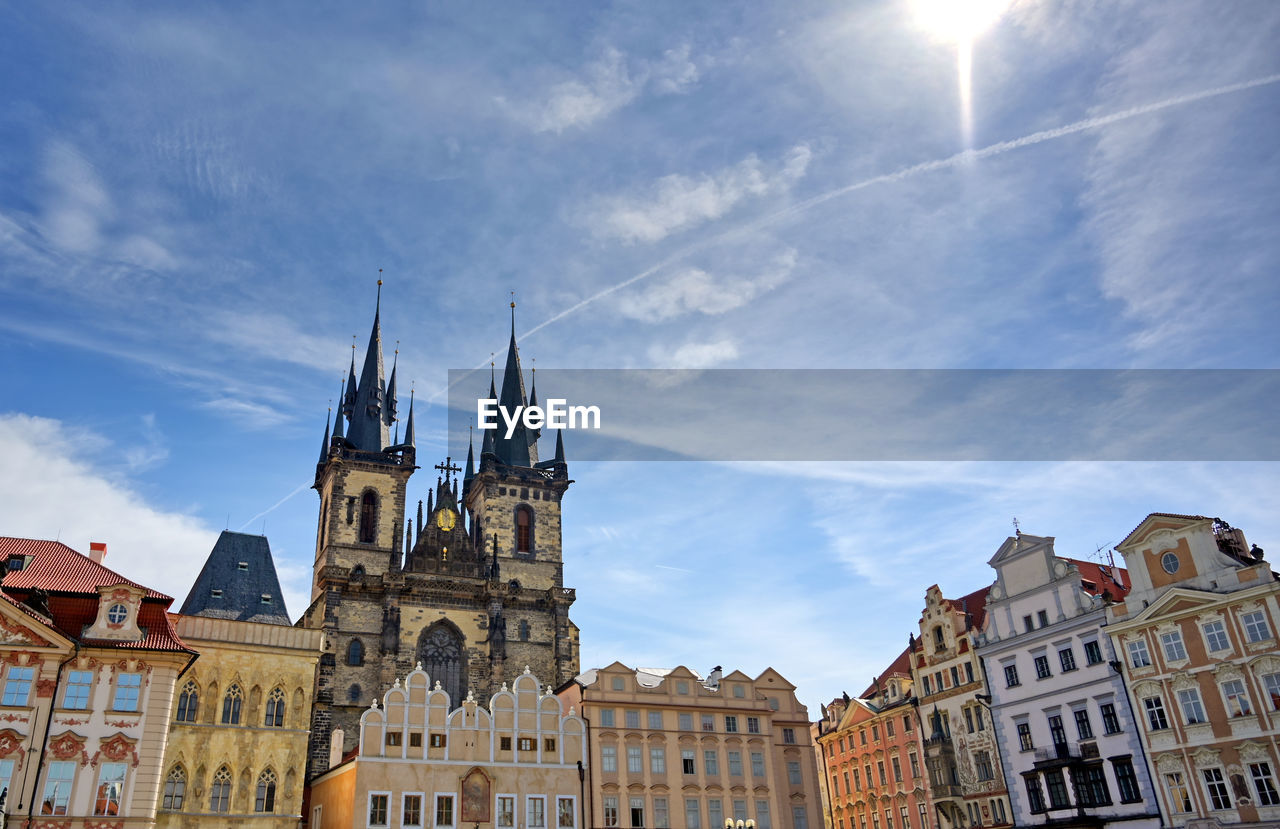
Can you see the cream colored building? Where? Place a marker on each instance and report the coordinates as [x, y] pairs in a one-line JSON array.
[[672, 750], [517, 764]]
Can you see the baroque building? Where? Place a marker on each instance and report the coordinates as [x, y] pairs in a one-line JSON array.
[[1068, 740], [469, 585], [237, 744], [1197, 641]]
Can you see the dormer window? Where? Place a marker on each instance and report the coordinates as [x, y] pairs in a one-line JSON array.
[[217, 594], [266, 598], [117, 613], [244, 565]]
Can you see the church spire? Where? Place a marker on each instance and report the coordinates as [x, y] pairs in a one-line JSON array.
[[337, 421], [513, 451], [471, 457], [389, 411], [368, 430], [559, 446], [324, 444]]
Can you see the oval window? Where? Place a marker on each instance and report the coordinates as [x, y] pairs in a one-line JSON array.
[[1169, 561], [117, 613]]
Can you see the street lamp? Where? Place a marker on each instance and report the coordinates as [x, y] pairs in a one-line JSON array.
[[730, 823]]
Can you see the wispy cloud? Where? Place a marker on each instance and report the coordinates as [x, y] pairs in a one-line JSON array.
[[153, 451], [248, 414], [694, 290], [693, 354]]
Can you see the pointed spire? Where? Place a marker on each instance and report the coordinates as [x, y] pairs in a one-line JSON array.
[[559, 446], [324, 444], [348, 401], [471, 456], [368, 429], [337, 421], [419, 516], [408, 429], [389, 412], [408, 537], [513, 451], [430, 505]]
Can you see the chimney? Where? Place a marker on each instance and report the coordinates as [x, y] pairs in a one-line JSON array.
[[97, 551]]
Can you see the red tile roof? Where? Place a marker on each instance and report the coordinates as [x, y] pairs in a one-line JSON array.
[[71, 581], [901, 665], [975, 604], [1096, 578], [1164, 515]]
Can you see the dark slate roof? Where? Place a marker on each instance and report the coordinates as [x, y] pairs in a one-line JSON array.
[[241, 589]]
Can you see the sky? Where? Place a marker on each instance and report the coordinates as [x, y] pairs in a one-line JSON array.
[[196, 204]]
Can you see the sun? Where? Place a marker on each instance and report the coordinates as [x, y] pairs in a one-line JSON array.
[[958, 20]]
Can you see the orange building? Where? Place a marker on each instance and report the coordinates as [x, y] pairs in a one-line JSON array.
[[872, 756]]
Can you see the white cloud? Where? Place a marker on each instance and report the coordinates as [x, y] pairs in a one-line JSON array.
[[695, 354], [693, 290], [676, 202], [249, 415], [675, 74], [77, 203], [276, 337], [153, 451]]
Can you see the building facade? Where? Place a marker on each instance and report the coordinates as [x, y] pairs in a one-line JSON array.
[[470, 586], [966, 782], [671, 750], [237, 745], [1067, 739], [90, 664], [420, 762], [1197, 638], [872, 757]]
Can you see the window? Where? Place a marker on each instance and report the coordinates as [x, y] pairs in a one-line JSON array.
[[1192, 709], [355, 652], [632, 718], [1215, 634], [862, 736], [1011, 676], [982, 760], [968, 720], [655, 720], [369, 533], [116, 614], [880, 771], [444, 810], [606, 718], [1057, 789], [906, 723], [1024, 736], [801, 817], [888, 728], [1042, 667], [175, 789], [275, 709], [264, 798], [1092, 652], [188, 702], [535, 811], [715, 813], [618, 683], [757, 764], [763, 820], [739, 810], [730, 724], [1237, 698], [685, 721], [1271, 684], [1127, 781], [789, 736], [637, 812], [610, 810], [128, 689], [793, 773], [1179, 796], [1264, 784], [682, 687], [1056, 731], [635, 759], [1035, 796], [753, 725], [927, 689], [915, 764], [411, 810], [955, 676], [968, 673], [608, 758], [1110, 722], [710, 763], [1027, 624], [1219, 797], [735, 763], [415, 740], [897, 769], [110, 789], [220, 792], [567, 812], [506, 811], [658, 760], [688, 761], [231, 705], [17, 686], [1256, 628], [1067, 659], [708, 722], [57, 788], [1138, 656], [1084, 728], [692, 814], [524, 529], [875, 733], [1169, 561], [1042, 617], [1172, 643], [354, 694], [1094, 792], [393, 738], [437, 741], [906, 817], [1156, 719]]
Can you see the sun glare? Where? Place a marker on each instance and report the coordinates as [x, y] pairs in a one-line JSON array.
[[958, 20]]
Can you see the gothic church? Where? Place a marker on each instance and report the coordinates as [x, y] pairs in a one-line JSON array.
[[471, 586]]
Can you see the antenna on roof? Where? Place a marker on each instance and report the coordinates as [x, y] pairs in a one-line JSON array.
[[1017, 528]]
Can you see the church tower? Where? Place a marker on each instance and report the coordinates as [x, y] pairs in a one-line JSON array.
[[469, 585]]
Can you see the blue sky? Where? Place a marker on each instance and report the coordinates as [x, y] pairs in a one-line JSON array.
[[195, 203]]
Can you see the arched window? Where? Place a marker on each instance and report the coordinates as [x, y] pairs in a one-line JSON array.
[[524, 631], [265, 799], [275, 709], [231, 705], [188, 702], [220, 791], [938, 642], [368, 517], [355, 652], [524, 529], [440, 650], [175, 789], [353, 694]]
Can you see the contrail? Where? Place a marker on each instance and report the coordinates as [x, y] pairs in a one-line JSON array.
[[965, 157], [274, 506]]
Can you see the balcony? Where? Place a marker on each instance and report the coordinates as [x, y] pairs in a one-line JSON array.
[[1059, 754]]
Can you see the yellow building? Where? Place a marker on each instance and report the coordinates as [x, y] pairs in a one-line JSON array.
[[238, 740], [419, 762]]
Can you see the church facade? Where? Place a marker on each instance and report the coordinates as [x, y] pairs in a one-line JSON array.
[[467, 586]]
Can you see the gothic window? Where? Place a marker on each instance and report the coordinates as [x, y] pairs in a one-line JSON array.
[[275, 709], [188, 702], [175, 789], [353, 694], [231, 703], [442, 656], [524, 529], [220, 791], [355, 652], [368, 517], [524, 631], [265, 799]]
